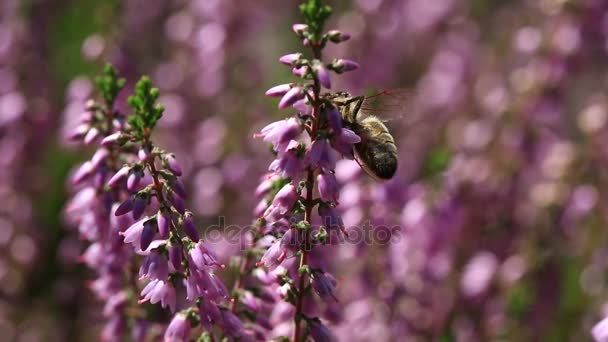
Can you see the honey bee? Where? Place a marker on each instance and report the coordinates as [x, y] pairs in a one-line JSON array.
[[377, 152]]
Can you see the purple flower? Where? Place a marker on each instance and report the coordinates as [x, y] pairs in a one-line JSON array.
[[133, 234], [303, 106], [177, 201], [113, 329], [159, 291], [319, 332], [344, 65], [344, 142], [202, 257], [175, 255], [334, 119], [600, 331], [281, 249], [79, 132], [209, 313], [265, 186], [178, 187], [290, 59], [328, 187], [322, 75], [84, 171], [100, 157], [179, 329], [91, 135], [279, 91], [283, 201], [143, 154], [133, 180], [111, 139], [147, 235], [172, 164], [330, 217], [321, 155], [124, 207], [189, 227], [324, 285], [119, 176], [154, 266], [203, 283], [289, 164], [163, 220], [250, 301], [299, 29], [280, 133], [231, 325], [300, 71], [293, 95], [139, 205], [336, 36]]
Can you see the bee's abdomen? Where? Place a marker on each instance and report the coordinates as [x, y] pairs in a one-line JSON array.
[[377, 151]]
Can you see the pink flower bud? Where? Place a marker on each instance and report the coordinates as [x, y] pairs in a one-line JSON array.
[[293, 95], [278, 91]]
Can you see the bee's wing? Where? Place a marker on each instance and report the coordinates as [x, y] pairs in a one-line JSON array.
[[398, 105]]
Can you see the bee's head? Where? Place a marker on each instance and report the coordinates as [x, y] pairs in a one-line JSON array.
[[340, 98]]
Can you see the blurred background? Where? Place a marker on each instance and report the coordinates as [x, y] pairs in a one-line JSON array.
[[492, 230]]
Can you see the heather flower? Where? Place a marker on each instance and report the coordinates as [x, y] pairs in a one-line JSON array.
[[133, 234], [119, 176], [336, 36], [147, 235], [125, 207], [175, 255], [278, 91], [133, 180], [179, 329], [600, 331], [163, 220], [159, 291], [323, 75], [289, 59], [330, 217], [334, 119], [283, 201], [189, 227], [202, 257], [154, 266], [91, 136], [300, 29], [322, 155], [293, 95], [171, 163], [344, 65], [280, 133], [83, 172], [177, 202], [320, 333], [324, 285], [231, 325], [289, 164], [139, 205], [328, 187], [343, 143], [209, 313], [111, 139]]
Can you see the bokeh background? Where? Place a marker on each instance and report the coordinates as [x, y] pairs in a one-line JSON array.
[[492, 230]]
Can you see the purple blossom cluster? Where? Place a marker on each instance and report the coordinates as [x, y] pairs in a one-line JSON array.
[[307, 146], [142, 204]]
